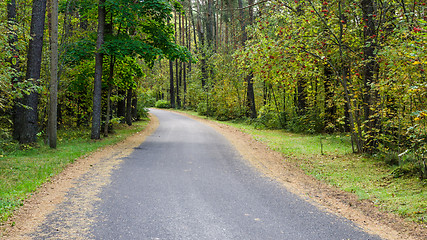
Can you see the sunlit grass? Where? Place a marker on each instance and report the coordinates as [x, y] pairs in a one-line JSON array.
[[21, 172]]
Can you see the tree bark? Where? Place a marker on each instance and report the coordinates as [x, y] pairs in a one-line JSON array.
[[129, 107], [171, 85], [97, 91], [369, 97], [249, 78], [52, 122], [26, 128]]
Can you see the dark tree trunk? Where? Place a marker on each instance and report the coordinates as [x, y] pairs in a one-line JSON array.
[[110, 80], [301, 97], [194, 26], [25, 128], [249, 79], [97, 89], [210, 21], [201, 35], [251, 96], [369, 97], [129, 107], [171, 85]]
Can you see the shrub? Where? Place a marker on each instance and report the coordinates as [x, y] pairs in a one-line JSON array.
[[162, 104]]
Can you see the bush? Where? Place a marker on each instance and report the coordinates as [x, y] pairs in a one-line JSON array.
[[162, 104], [268, 118], [202, 108], [146, 100]]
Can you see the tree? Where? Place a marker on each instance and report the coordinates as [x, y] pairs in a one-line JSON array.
[[96, 115], [25, 109], [52, 124]]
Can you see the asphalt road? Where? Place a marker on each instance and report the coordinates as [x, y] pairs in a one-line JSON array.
[[187, 182]]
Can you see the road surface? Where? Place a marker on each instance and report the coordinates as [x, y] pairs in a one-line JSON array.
[[186, 181]]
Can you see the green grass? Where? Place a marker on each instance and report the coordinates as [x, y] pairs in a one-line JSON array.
[[22, 172], [367, 177]]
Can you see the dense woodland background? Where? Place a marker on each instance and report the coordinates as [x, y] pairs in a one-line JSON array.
[[343, 67]]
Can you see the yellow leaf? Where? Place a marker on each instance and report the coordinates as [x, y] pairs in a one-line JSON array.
[[416, 62]]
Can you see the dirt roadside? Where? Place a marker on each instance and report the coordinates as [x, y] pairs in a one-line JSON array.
[[272, 164]]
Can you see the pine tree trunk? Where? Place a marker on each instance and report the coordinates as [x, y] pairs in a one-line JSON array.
[[129, 107], [53, 123], [249, 78], [171, 85], [26, 127], [97, 89], [110, 80]]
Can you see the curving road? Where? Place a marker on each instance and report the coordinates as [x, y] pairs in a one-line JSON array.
[[187, 182]]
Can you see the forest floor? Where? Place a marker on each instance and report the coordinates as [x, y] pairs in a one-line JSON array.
[[274, 165]]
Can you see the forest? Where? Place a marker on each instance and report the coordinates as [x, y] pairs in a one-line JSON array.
[[347, 67]]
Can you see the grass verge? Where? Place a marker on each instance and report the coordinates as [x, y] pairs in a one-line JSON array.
[[329, 158], [22, 172]]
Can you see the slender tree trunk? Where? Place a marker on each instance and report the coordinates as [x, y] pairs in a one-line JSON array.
[[194, 27], [110, 80], [301, 97], [171, 85], [249, 78], [329, 104], [97, 89], [210, 21], [129, 107], [201, 48], [53, 123], [26, 127], [369, 97]]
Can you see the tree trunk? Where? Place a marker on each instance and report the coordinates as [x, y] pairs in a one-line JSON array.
[[53, 123], [110, 81], [121, 104], [171, 85], [249, 78], [25, 128], [369, 97], [210, 21], [329, 86], [97, 91], [129, 107], [201, 34], [301, 97], [177, 77]]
